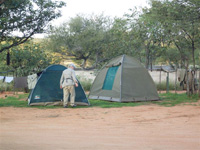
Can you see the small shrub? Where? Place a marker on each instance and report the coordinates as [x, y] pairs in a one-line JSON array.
[[10, 87], [6, 86], [86, 83], [163, 86]]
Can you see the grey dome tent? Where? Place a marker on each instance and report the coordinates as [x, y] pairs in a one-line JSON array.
[[47, 89], [123, 79]]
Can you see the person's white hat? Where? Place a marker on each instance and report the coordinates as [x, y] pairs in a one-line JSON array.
[[72, 65]]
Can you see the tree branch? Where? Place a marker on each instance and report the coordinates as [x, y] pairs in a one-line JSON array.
[[22, 40]]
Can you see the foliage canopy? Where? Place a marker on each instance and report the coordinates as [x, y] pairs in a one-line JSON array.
[[26, 18]]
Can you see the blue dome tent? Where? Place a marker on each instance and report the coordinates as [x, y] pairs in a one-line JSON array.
[[47, 89]]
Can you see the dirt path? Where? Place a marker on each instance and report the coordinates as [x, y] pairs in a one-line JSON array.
[[128, 128]]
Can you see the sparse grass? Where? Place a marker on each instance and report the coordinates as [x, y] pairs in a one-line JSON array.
[[172, 99], [163, 86], [14, 101], [107, 104], [19, 101], [167, 100]]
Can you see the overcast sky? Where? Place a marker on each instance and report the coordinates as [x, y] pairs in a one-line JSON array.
[[112, 8]]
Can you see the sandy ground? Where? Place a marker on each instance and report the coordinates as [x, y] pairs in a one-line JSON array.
[[148, 127]]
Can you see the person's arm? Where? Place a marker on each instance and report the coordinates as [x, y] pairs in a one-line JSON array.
[[74, 78], [61, 80]]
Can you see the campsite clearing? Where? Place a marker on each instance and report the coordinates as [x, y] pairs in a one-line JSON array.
[[147, 127]]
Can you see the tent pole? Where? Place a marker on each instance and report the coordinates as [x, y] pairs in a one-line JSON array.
[[167, 81], [121, 78], [175, 80], [160, 79], [199, 83], [13, 83]]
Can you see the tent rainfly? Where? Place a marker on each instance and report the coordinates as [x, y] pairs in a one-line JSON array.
[[123, 79], [47, 89]]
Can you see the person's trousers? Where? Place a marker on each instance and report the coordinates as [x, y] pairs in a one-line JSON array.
[[68, 90]]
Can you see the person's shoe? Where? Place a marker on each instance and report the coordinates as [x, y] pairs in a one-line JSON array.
[[73, 105], [65, 106]]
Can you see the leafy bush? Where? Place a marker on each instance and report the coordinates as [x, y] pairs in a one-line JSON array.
[[163, 86], [6, 86], [10, 87], [86, 84]]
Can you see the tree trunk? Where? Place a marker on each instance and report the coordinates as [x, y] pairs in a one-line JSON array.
[[147, 58], [147, 55], [8, 58], [187, 79], [83, 63], [194, 68], [181, 54], [199, 83], [193, 83], [193, 58]]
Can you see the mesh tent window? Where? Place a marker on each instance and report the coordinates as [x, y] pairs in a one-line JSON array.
[[110, 78]]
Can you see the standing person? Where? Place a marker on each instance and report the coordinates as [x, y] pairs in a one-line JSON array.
[[67, 82]]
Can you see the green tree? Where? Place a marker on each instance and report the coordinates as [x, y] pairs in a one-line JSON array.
[[117, 42], [27, 59], [81, 37], [146, 36], [180, 21], [26, 17]]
